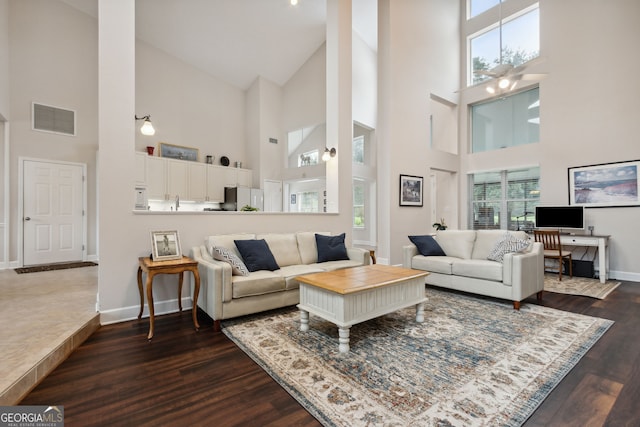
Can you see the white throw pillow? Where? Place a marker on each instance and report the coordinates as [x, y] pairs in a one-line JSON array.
[[223, 254], [508, 244]]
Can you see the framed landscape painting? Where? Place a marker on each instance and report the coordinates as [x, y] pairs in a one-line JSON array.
[[178, 152], [411, 190], [605, 185]]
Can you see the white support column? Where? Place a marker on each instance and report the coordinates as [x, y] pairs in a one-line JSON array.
[[339, 108]]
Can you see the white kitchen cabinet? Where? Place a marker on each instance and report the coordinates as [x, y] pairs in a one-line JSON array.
[[156, 178], [245, 178], [177, 179], [197, 182]]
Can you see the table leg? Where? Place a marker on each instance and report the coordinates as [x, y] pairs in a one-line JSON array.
[[420, 312], [343, 339], [196, 292], [304, 320], [150, 303], [180, 280], [141, 292]]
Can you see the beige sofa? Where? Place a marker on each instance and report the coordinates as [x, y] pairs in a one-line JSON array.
[[224, 295], [465, 266]]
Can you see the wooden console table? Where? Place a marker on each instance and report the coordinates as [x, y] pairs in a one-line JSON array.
[[178, 266]]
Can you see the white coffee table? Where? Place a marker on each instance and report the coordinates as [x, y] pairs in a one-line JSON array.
[[353, 295]]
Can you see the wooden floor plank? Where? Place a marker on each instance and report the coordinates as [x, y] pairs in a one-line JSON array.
[[193, 378]]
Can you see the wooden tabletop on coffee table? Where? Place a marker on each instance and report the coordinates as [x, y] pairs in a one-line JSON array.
[[356, 279]]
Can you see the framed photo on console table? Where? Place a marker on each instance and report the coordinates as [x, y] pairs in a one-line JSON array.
[[605, 185], [411, 190], [165, 245]]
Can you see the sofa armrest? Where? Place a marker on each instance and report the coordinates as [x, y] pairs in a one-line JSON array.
[[215, 282], [408, 252], [524, 272], [358, 254]]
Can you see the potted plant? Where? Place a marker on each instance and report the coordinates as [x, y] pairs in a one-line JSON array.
[[440, 225]]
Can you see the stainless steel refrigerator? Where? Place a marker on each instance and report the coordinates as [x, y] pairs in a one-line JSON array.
[[235, 198]]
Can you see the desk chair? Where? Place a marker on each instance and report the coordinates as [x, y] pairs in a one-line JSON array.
[[553, 249]]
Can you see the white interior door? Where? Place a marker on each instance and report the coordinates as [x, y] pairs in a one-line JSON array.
[[52, 212]]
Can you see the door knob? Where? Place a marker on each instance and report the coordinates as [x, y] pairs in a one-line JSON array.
[[27, 218]]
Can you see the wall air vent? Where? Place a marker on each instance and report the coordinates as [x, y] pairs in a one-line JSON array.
[[53, 119]]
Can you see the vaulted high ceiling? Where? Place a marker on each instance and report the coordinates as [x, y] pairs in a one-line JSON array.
[[238, 40]]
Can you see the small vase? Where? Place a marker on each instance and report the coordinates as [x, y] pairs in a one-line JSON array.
[[150, 150]]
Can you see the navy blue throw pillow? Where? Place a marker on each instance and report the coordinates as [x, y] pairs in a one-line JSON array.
[[331, 248], [427, 245], [256, 255]]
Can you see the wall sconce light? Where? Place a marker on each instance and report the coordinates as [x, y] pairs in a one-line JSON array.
[[147, 127], [328, 154]]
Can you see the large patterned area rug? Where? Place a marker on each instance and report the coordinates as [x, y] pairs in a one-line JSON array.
[[579, 286], [473, 362]]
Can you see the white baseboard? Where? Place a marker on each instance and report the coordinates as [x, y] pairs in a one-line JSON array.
[[125, 314], [625, 276]]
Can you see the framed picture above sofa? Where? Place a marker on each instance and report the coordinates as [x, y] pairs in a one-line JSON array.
[[411, 190]]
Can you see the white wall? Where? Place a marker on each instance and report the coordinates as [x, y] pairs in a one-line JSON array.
[[59, 68], [415, 59], [4, 60], [188, 107]]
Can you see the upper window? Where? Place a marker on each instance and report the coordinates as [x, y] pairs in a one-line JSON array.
[[309, 158], [506, 122], [358, 150], [476, 7], [512, 40]]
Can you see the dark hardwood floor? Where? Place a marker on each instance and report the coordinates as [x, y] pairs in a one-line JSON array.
[[184, 378]]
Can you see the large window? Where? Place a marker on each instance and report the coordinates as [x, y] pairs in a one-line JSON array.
[[359, 198], [504, 199], [512, 40], [506, 122]]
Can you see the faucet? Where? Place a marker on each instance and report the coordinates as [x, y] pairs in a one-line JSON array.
[[177, 202]]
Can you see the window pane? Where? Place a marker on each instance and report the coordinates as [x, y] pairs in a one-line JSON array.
[[521, 38], [358, 203], [358, 150], [479, 6], [491, 207], [485, 53], [308, 201], [506, 122]]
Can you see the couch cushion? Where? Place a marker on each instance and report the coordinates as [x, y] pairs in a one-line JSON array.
[[479, 269], [331, 248], [307, 246], [337, 265], [508, 244], [456, 243], [256, 255], [486, 240], [292, 271], [427, 245], [257, 283], [434, 264], [227, 255], [227, 240], [284, 247]]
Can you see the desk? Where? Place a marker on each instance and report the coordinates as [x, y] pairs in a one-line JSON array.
[[600, 242], [178, 266]]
